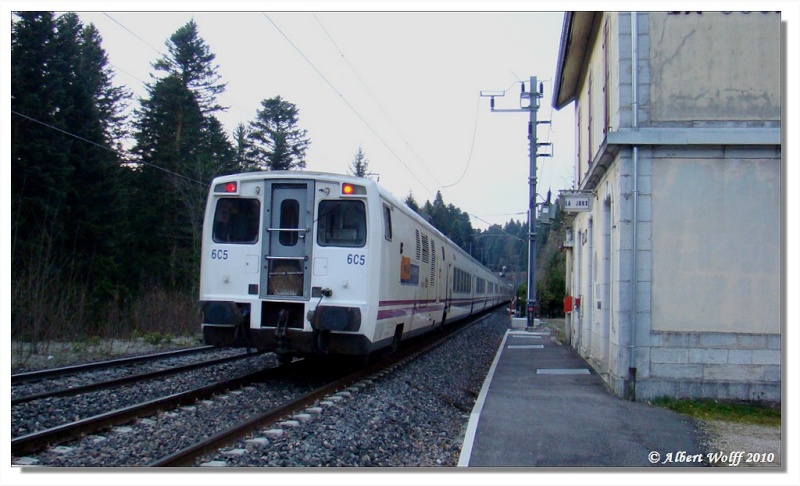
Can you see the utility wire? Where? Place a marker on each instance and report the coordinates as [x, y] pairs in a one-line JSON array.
[[498, 227], [132, 33], [471, 147], [123, 155], [346, 102], [374, 99]]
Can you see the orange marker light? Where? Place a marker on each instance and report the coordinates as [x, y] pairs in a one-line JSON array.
[[347, 189]]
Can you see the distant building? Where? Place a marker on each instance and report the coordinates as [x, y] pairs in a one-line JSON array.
[[677, 259]]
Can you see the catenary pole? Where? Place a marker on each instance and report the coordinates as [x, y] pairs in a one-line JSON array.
[[529, 102]]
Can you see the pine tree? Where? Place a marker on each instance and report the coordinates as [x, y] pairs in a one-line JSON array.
[[181, 146], [39, 163], [276, 143], [65, 185], [242, 147], [412, 203], [360, 164], [191, 60]]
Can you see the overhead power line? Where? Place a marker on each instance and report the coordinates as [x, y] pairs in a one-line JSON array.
[[374, 99], [471, 147], [123, 155], [363, 120], [132, 33]]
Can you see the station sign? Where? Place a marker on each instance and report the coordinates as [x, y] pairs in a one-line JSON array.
[[576, 202]]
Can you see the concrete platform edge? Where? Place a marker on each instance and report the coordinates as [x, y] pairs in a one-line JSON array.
[[472, 425]]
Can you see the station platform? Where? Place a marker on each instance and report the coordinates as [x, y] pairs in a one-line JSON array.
[[542, 405]]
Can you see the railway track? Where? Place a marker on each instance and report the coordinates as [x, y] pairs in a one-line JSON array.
[[188, 455], [256, 398], [115, 382], [38, 440], [29, 376]]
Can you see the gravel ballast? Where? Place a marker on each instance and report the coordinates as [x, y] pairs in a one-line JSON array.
[[413, 416]]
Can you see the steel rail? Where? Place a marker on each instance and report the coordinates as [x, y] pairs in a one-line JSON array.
[[77, 390], [29, 376], [37, 441]]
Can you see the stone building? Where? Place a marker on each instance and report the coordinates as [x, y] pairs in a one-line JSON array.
[[677, 260]]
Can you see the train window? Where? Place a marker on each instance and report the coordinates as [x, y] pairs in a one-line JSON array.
[[342, 223], [290, 219], [463, 281], [387, 223], [236, 220]]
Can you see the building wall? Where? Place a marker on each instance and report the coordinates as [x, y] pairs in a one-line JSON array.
[[707, 289], [716, 247], [714, 328], [737, 76]]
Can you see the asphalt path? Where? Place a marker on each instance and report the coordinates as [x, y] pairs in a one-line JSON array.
[[543, 406]]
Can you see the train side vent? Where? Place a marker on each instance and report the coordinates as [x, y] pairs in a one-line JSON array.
[[418, 247], [433, 263]]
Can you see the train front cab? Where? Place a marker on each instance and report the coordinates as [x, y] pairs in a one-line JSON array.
[[299, 284]]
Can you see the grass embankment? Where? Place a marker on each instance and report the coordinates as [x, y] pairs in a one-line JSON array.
[[741, 412]]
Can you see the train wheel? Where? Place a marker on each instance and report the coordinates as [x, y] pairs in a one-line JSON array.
[[285, 358]]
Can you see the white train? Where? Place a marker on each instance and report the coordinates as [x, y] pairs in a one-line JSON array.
[[306, 263]]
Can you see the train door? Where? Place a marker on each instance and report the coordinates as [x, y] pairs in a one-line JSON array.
[[288, 243], [441, 284]]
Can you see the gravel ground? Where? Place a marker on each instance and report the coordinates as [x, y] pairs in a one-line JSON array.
[[413, 416], [760, 443]]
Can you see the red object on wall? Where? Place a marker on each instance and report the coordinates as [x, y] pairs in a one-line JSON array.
[[571, 303]]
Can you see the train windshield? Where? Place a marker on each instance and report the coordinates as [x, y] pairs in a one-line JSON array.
[[342, 223], [236, 220]]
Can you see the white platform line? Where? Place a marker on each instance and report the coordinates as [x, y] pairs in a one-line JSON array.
[[562, 371], [525, 346], [520, 336], [474, 417], [529, 333]]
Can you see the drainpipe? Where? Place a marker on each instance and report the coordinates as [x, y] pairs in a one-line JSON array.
[[631, 391]]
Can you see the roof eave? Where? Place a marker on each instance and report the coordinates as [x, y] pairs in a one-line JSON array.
[[576, 35]]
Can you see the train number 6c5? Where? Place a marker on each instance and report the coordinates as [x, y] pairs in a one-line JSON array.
[[219, 254], [353, 259]]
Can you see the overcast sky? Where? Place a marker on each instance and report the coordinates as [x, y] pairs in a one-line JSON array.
[[403, 86]]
